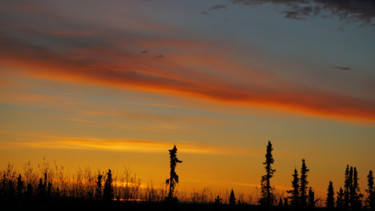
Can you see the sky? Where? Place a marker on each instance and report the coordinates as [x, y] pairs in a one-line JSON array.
[[116, 84]]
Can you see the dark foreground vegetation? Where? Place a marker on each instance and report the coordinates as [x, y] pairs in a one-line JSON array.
[[49, 189]]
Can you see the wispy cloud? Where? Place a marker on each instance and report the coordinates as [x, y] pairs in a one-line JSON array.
[[141, 146], [218, 7], [355, 10], [342, 68]]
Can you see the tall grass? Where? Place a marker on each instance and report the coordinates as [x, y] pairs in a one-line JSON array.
[[82, 184]]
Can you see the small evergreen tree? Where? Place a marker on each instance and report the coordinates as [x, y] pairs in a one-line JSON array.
[[330, 197], [347, 188], [98, 192], [294, 198], [232, 198], [312, 201], [108, 194], [173, 177], [370, 191], [268, 197], [357, 196], [303, 183], [340, 199]]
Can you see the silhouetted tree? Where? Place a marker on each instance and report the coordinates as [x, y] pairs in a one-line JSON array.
[[371, 191], [98, 192], [357, 196], [232, 198], [268, 197], [340, 199], [173, 178], [312, 200], [108, 194], [294, 198], [330, 197], [347, 188], [303, 184], [20, 185]]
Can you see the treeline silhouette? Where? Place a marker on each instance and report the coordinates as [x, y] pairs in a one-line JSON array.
[[49, 189]]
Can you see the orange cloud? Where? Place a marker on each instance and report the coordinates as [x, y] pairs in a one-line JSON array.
[[112, 67]]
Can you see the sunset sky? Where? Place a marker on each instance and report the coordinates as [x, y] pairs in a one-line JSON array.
[[114, 84]]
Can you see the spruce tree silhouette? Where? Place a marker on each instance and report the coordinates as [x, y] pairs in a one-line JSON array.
[[330, 197], [268, 198], [303, 184], [173, 177], [370, 191], [294, 198], [108, 194], [352, 195], [312, 200], [98, 191], [340, 199], [347, 188], [232, 198], [356, 195]]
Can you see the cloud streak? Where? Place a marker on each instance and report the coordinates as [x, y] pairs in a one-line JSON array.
[[342, 68], [142, 146], [354, 10]]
